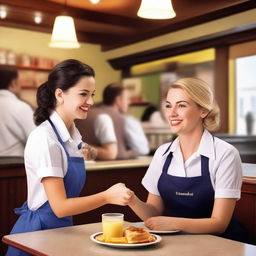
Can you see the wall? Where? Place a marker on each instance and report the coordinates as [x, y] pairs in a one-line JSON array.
[[235, 21], [36, 43], [22, 41], [182, 35]]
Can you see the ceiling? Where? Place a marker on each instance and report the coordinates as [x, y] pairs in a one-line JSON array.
[[114, 23]]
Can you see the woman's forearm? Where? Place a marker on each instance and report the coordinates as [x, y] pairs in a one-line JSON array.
[[142, 209], [207, 225], [78, 205]]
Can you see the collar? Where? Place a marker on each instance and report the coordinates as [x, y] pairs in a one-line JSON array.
[[206, 146], [4, 92], [63, 131]]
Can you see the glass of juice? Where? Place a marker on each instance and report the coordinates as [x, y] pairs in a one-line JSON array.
[[112, 225]]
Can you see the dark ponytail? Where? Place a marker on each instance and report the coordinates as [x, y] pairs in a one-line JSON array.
[[64, 75]]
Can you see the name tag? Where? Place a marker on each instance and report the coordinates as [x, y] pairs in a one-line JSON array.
[[184, 194]]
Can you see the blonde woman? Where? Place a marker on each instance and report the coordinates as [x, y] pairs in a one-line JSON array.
[[196, 178]]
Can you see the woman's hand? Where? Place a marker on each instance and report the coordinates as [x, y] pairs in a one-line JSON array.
[[160, 223], [119, 194]]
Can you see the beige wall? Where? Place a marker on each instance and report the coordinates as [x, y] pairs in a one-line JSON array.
[[208, 28], [36, 44]]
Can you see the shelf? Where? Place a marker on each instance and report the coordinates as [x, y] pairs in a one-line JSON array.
[[139, 103], [28, 87], [36, 68]]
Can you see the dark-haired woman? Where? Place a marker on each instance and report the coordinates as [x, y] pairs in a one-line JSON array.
[[53, 155]]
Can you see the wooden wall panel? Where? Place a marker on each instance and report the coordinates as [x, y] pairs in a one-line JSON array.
[[13, 191], [221, 84]]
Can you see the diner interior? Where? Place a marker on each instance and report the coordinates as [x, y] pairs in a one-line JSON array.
[[212, 40]]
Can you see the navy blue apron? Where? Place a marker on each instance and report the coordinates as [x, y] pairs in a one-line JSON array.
[[44, 217], [193, 197]]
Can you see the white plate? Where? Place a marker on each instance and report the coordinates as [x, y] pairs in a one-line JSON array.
[[93, 238], [141, 225]]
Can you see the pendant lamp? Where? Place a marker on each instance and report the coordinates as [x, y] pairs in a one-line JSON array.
[[156, 9], [64, 33]]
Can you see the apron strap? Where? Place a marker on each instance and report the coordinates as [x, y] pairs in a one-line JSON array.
[[58, 136], [168, 159], [167, 149], [204, 166], [167, 163]]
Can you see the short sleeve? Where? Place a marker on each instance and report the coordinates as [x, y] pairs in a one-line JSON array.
[[228, 179], [150, 180], [26, 122], [135, 136], [44, 155], [104, 129]]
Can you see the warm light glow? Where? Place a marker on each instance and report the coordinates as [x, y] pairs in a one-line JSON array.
[[38, 18], [94, 1], [3, 12], [156, 9], [64, 33]]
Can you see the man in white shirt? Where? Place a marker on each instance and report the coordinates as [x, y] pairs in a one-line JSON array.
[[16, 116], [110, 130]]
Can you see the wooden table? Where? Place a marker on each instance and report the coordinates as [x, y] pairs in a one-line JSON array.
[[76, 241]]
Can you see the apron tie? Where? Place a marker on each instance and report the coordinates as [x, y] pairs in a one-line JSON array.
[[23, 209]]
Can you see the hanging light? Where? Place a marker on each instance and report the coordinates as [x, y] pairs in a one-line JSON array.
[[3, 12], [94, 1], [156, 9], [38, 18], [64, 33]]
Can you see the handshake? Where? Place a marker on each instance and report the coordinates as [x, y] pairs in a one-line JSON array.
[[119, 194]]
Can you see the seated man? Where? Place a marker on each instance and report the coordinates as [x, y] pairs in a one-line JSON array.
[[110, 130], [16, 116]]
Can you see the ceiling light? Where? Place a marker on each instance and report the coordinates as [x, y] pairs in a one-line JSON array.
[[64, 33], [94, 1], [156, 9], [38, 18], [3, 12]]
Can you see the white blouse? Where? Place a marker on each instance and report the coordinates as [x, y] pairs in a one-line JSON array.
[[224, 166], [45, 156]]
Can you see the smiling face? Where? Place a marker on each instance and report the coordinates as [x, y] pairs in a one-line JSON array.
[[76, 101], [182, 113]]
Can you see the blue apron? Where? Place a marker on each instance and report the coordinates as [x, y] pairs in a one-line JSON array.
[[193, 197], [44, 217]]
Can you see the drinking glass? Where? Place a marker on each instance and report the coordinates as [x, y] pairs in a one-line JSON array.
[[112, 225]]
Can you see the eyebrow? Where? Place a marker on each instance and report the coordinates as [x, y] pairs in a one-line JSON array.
[[180, 101], [84, 90]]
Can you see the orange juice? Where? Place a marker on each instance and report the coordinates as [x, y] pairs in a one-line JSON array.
[[112, 228], [112, 225]]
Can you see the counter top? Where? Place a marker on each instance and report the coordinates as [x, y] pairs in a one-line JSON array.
[[249, 170], [117, 164], [11, 161]]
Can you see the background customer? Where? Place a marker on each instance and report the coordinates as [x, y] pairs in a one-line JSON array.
[[16, 116], [108, 128]]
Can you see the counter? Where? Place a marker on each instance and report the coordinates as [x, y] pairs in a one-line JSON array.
[[102, 175]]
